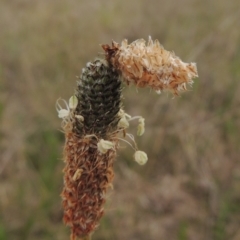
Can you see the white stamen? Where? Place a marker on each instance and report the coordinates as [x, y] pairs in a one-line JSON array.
[[79, 117], [104, 146], [141, 126], [123, 123], [63, 113], [140, 157], [73, 102]]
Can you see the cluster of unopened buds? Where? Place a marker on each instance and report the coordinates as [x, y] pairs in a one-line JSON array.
[[67, 115]]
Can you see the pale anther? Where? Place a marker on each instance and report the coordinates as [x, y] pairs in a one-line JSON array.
[[140, 157]]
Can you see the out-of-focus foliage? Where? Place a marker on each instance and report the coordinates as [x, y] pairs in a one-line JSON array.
[[190, 187]]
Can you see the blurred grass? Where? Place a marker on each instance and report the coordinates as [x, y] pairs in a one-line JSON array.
[[190, 188]]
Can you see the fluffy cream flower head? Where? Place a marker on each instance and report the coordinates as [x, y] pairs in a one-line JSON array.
[[151, 65]]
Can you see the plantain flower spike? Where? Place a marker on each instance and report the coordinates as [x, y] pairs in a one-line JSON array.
[[150, 65], [94, 117], [90, 123]]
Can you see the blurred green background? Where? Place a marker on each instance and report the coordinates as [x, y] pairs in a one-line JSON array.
[[190, 188]]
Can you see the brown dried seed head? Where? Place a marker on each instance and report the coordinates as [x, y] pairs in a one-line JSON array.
[[88, 175], [150, 65]]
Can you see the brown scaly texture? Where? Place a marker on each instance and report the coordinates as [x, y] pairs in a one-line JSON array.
[[150, 65], [88, 172]]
